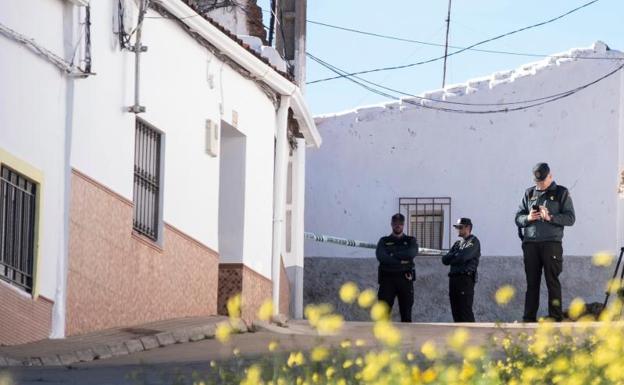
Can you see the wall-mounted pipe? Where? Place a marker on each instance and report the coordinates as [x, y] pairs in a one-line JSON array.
[[138, 48], [279, 195]]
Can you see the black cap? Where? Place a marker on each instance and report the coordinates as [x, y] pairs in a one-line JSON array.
[[463, 222], [398, 217], [540, 171]]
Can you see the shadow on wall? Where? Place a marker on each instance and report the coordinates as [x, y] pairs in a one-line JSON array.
[[324, 276]]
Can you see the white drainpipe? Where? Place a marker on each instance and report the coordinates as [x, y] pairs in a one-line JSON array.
[[279, 194], [298, 226]]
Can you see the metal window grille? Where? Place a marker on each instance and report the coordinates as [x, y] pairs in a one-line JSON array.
[[427, 219], [17, 228], [146, 180]]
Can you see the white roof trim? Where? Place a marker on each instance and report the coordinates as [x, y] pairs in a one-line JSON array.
[[251, 63]]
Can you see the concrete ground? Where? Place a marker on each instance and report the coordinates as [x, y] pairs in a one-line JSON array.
[[175, 364]]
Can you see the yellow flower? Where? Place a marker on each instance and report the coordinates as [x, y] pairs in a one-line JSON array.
[[330, 324], [467, 372], [428, 349], [223, 332], [560, 365], [577, 308], [253, 376], [234, 306], [367, 298], [349, 292], [602, 258], [429, 375], [458, 339], [347, 364], [273, 345], [329, 373], [410, 356], [387, 333], [295, 359], [380, 311], [314, 313], [415, 372], [345, 344], [505, 294], [266, 310], [360, 342], [319, 353]]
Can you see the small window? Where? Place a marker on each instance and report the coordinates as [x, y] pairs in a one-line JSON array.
[[17, 228], [147, 183], [428, 220]]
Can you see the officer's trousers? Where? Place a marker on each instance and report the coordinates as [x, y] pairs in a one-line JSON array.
[[549, 257], [397, 285], [461, 294]]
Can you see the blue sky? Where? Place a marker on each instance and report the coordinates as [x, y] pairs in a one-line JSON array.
[[471, 21]]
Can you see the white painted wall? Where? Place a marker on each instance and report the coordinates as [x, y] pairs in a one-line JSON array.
[[374, 155], [32, 117], [182, 85]]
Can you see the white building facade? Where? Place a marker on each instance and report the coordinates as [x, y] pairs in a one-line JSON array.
[[127, 217], [436, 166]]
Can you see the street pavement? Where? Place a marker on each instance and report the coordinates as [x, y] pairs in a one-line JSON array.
[[176, 364]]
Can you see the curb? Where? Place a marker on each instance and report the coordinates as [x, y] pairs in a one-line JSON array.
[[103, 351]]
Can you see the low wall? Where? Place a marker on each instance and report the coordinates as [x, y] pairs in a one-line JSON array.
[[324, 276]]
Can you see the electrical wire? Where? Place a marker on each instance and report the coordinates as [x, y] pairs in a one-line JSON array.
[[460, 50], [426, 43], [360, 79], [445, 109]]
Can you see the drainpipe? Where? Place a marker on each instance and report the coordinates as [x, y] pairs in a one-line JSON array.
[[279, 194], [298, 225], [138, 48]]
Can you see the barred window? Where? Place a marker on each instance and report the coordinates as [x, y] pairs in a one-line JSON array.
[[17, 228], [146, 180], [428, 220]]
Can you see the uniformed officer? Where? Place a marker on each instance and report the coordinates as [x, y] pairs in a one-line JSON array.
[[545, 209], [464, 260], [396, 274]]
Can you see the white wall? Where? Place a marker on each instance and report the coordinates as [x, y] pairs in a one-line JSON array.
[[375, 155], [32, 116], [182, 85]]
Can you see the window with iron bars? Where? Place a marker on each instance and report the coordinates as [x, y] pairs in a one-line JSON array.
[[428, 220], [146, 180], [17, 228]]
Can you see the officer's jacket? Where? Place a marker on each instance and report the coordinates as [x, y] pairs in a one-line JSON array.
[[464, 256], [559, 204], [396, 254]]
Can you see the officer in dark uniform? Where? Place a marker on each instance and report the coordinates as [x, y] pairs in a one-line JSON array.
[[464, 260], [545, 209], [396, 274]]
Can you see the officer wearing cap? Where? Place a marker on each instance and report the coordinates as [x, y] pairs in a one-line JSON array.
[[396, 274], [544, 211], [463, 258]]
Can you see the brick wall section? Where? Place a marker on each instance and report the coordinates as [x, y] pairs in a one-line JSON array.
[[255, 289], [23, 319], [230, 284], [119, 279], [254, 21]]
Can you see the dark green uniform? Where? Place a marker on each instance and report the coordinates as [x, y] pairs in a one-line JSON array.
[[396, 272]]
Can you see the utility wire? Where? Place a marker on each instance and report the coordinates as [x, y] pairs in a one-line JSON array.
[[427, 43], [360, 79], [463, 49], [445, 109]]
